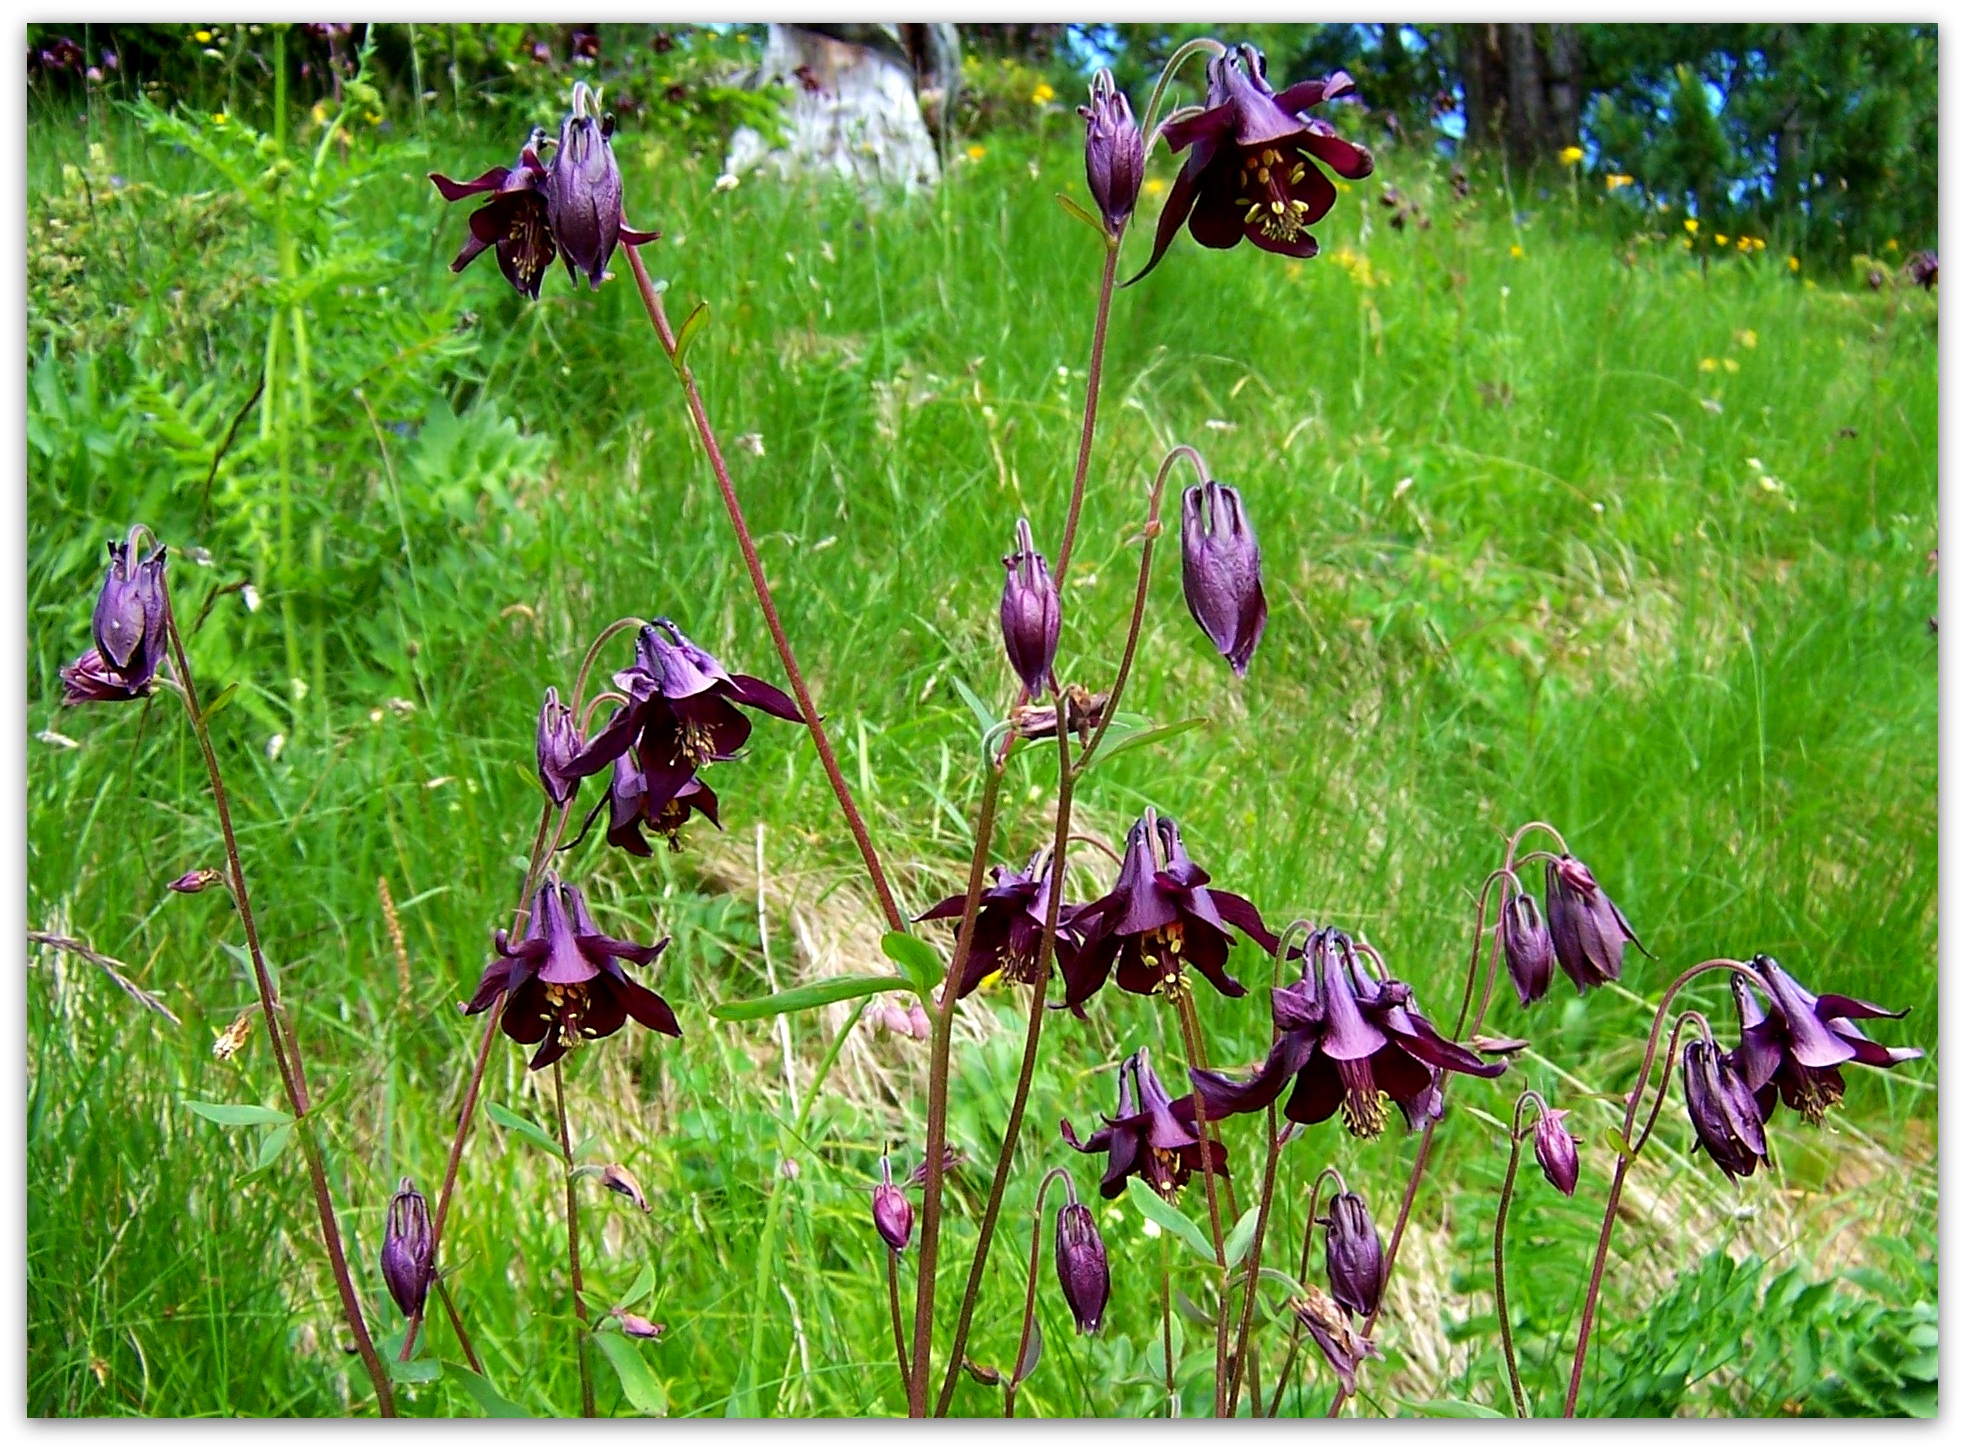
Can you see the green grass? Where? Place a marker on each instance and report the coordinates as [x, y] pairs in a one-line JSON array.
[[1590, 534]]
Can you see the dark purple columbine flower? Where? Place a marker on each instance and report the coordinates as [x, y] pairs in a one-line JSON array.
[[128, 627], [1115, 153], [1585, 926], [407, 1249], [1526, 947], [631, 805], [1922, 268], [1221, 572], [1152, 1137], [583, 192], [194, 881], [1350, 1042], [1010, 925], [565, 980], [1030, 613], [1354, 1256], [1159, 917], [1796, 1047], [1329, 1324], [1083, 1272], [1555, 1152], [893, 1214], [1724, 1115], [559, 743], [514, 222], [1251, 168]]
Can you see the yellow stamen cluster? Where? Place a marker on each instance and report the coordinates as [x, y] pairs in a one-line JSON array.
[[1279, 215]]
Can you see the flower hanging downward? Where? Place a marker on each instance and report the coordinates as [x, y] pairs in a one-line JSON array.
[[1354, 1255], [1221, 572], [1586, 929], [630, 806], [128, 627], [1030, 614], [1329, 1324], [1152, 1138], [559, 742], [583, 192], [1159, 917], [407, 1250], [1349, 1042], [893, 1214], [514, 222], [1721, 1106], [1555, 1151], [1010, 925], [1251, 168], [1083, 1272], [565, 981], [1797, 1046]]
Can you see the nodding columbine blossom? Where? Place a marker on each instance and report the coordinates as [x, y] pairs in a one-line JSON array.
[[128, 627], [682, 712], [1724, 1116], [617, 1179], [1152, 1138], [1354, 1255], [194, 881], [1010, 925], [583, 192], [1159, 917], [565, 981], [1251, 169], [1585, 926], [1030, 613], [1349, 1041], [631, 805], [1555, 1152], [1329, 1324], [1083, 1272], [1526, 947], [1922, 269], [407, 1250], [635, 1326], [893, 1214], [1221, 571], [515, 223], [1115, 153], [559, 744], [1797, 1045]]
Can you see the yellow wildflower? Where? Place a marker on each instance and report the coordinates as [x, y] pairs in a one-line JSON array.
[[1515, 250], [976, 153], [1730, 365], [1043, 95], [1692, 225], [1794, 264], [1570, 155], [1890, 245], [1154, 186], [1616, 181], [218, 118], [1747, 338], [1707, 364], [203, 37], [1719, 239], [1746, 243]]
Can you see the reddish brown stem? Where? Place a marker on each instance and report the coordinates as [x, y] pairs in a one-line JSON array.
[[573, 1247], [1093, 373]]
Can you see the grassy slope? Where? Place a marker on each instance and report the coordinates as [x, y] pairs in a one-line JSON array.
[[1519, 565]]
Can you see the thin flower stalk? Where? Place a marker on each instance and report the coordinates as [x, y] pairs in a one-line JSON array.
[[1302, 1275], [894, 1314], [279, 1030], [1190, 1031], [1500, 1248], [1093, 372], [1030, 1292], [658, 318], [573, 1245]]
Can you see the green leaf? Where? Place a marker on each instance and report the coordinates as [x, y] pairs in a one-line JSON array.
[[1453, 1409], [272, 1145], [1072, 208], [1153, 1206], [1241, 1238], [224, 697], [985, 716], [1119, 739], [1032, 1352], [805, 998], [228, 1114], [416, 1371], [697, 320], [494, 1404], [1615, 1141], [643, 1285], [644, 1391], [528, 1129], [916, 958]]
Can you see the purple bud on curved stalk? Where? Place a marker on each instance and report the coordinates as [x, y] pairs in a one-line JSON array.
[[617, 1179], [194, 881], [1525, 945], [1330, 1326], [1030, 613], [635, 1326], [893, 1214], [1083, 1273], [1354, 1255], [1555, 1152], [1115, 153], [559, 742], [1221, 571], [128, 627], [407, 1249], [1723, 1112], [583, 192], [1586, 929]]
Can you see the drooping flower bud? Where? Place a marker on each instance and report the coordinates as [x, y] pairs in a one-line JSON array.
[[1354, 1257], [1586, 929], [583, 192], [1221, 571], [128, 626], [1525, 944], [1722, 1110], [893, 1214], [617, 1179], [1083, 1273], [1555, 1152], [1031, 613], [1330, 1326], [559, 742], [194, 881], [635, 1326], [1115, 153], [406, 1249]]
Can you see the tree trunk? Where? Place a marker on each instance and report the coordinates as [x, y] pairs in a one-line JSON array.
[[1522, 86]]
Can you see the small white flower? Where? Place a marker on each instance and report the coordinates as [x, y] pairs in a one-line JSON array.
[[251, 596], [52, 737], [299, 688], [274, 745], [728, 182]]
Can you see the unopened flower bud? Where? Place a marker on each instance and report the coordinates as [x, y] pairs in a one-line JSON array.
[[1031, 613], [1354, 1257], [1115, 153], [194, 881], [1525, 943], [1083, 1273], [1555, 1152], [917, 1023], [407, 1249], [1221, 572], [559, 743], [635, 1326], [616, 1178], [583, 192], [1330, 1326], [893, 1214], [1724, 1115], [1586, 929]]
